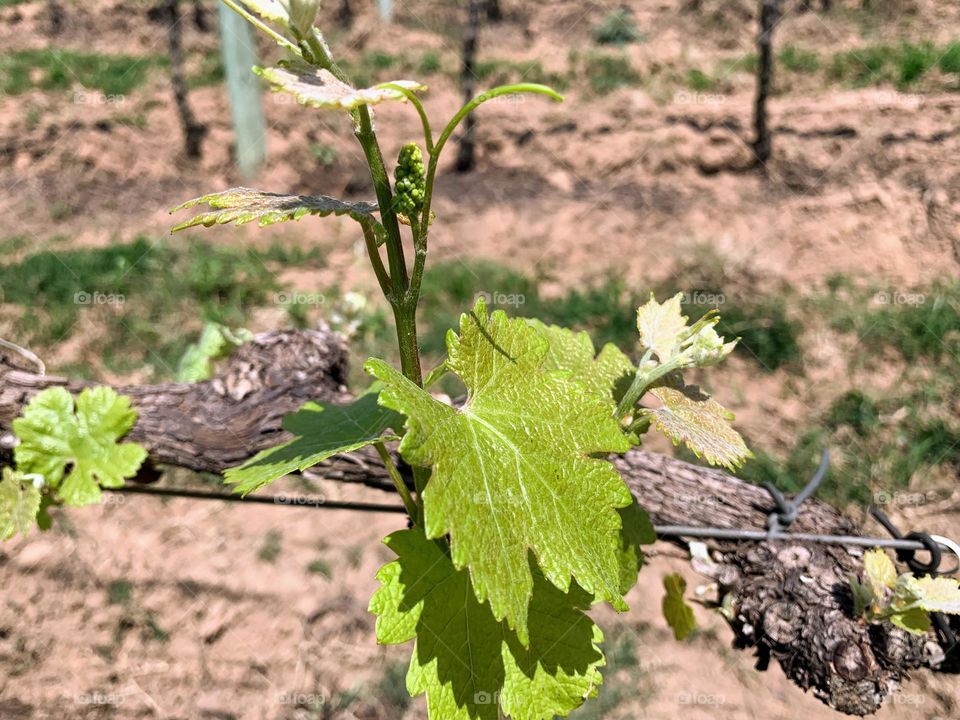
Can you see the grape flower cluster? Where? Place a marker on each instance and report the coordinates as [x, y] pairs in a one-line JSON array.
[[410, 182]]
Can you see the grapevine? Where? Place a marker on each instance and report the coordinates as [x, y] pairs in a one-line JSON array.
[[519, 521]]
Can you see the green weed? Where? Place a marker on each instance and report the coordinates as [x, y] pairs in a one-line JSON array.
[[617, 28], [53, 69], [271, 547]]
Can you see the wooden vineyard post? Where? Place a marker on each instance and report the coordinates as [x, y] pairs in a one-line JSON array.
[[250, 127]]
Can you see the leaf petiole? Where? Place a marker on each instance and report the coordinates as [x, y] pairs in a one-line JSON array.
[[408, 502], [260, 25]]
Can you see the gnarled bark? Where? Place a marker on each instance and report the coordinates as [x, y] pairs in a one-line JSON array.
[[789, 600]]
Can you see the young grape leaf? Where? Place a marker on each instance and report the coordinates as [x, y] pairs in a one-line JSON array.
[[53, 437], [881, 575], [691, 416], [321, 431], [19, 504], [321, 89], [216, 341], [470, 665], [243, 205], [605, 375], [512, 469], [914, 621], [939, 594], [636, 530], [863, 596], [662, 326], [678, 614]]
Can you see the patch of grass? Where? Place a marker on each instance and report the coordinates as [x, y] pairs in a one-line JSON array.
[[914, 61], [320, 567], [917, 324], [392, 688], [430, 64], [52, 69], [119, 592], [498, 71], [617, 28], [799, 60], [766, 331], [854, 410], [271, 547], [324, 154], [861, 67], [606, 73], [210, 72], [699, 81], [869, 457], [141, 294], [381, 66], [902, 65], [950, 60]]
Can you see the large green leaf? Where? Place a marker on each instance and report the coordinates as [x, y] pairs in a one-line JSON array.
[[320, 89], [53, 437], [321, 431], [19, 504], [513, 470], [243, 205], [690, 416], [470, 665], [605, 375]]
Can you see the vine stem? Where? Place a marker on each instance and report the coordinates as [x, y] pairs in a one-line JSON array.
[[404, 311], [458, 118], [412, 508], [421, 111]]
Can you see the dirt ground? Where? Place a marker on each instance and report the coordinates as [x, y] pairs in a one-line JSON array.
[[149, 609]]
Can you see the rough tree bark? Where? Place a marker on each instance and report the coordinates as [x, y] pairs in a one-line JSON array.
[[769, 16], [466, 151], [790, 600], [193, 130]]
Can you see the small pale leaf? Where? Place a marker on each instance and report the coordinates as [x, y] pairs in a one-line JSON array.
[[863, 596], [662, 326], [880, 572], [321, 89], [914, 620], [678, 614], [272, 10], [215, 342], [19, 504], [940, 594], [321, 431], [243, 205], [690, 416]]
